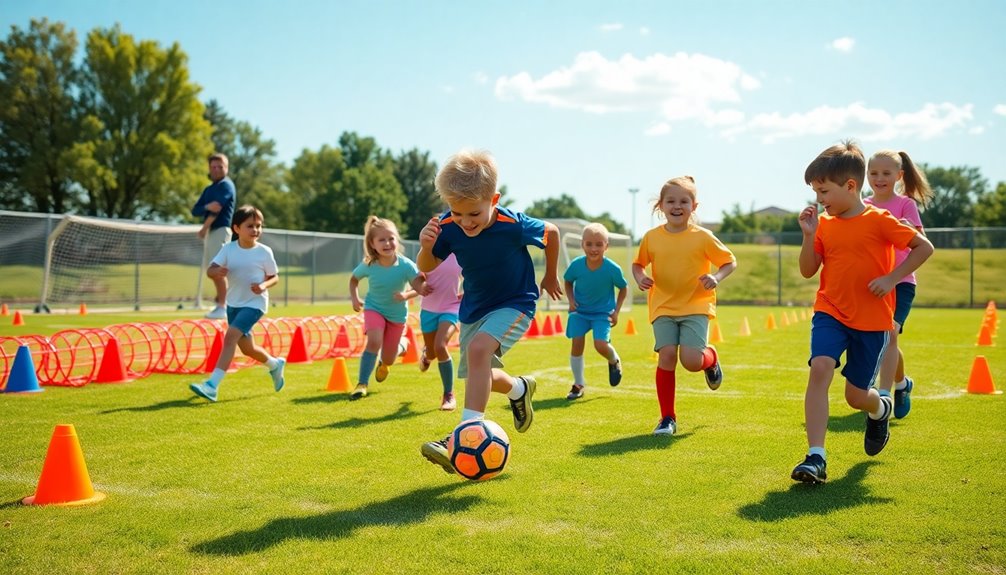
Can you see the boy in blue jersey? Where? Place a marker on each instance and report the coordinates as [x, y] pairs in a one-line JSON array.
[[590, 283], [500, 294]]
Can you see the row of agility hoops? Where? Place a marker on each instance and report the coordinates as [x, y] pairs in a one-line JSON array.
[[76, 357]]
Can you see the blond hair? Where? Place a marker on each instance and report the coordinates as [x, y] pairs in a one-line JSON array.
[[914, 183], [838, 164], [370, 228], [687, 183], [595, 228], [467, 175], [218, 156]]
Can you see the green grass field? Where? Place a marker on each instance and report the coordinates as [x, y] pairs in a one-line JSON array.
[[305, 481]]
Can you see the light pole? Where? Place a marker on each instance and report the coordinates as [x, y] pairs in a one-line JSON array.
[[633, 192]]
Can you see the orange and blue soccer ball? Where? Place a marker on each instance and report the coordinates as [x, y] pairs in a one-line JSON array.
[[479, 449]]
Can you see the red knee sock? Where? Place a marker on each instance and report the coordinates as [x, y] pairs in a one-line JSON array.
[[709, 357], [665, 392]]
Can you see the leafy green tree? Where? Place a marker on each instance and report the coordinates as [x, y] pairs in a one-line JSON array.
[[564, 206], [38, 118], [990, 210], [505, 200], [145, 141], [955, 191], [738, 222], [259, 178], [611, 224], [416, 173], [341, 187]]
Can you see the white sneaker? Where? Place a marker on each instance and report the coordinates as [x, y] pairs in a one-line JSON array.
[[219, 312], [277, 374]]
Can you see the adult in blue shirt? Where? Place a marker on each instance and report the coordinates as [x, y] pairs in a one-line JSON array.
[[216, 207]]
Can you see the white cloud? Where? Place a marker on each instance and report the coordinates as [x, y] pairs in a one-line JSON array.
[[480, 78], [977, 130], [644, 31], [860, 122], [1000, 109], [611, 27], [844, 44], [658, 129], [678, 87]]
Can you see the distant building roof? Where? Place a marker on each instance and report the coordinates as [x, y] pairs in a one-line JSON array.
[[773, 211]]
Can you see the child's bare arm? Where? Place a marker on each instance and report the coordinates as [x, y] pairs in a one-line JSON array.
[[550, 283], [921, 248], [644, 281], [810, 261], [354, 293], [569, 296], [619, 300], [425, 260], [710, 281], [270, 281], [216, 271]]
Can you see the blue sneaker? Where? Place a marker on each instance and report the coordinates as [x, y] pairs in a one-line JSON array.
[[903, 399], [277, 374], [615, 373], [814, 469], [204, 390]]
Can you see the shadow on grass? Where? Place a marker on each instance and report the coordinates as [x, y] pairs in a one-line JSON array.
[[404, 412], [330, 397], [806, 499], [851, 422], [560, 402], [647, 442], [412, 507], [15, 503], [171, 404]]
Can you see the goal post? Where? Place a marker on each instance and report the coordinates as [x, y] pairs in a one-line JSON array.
[[116, 262], [620, 251]]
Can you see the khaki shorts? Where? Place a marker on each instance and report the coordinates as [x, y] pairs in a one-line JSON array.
[[687, 330], [215, 239]]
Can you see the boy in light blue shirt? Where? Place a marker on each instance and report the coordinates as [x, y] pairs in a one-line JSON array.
[[590, 283]]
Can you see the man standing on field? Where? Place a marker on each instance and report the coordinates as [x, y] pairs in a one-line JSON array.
[[216, 207]]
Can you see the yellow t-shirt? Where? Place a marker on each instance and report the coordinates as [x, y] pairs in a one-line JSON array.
[[855, 251], [676, 261]]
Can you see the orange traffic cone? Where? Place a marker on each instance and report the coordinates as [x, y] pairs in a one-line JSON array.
[[83, 308], [339, 378], [770, 322], [113, 367], [785, 319], [3, 309], [533, 330], [412, 351], [546, 328], [985, 337], [980, 380], [298, 348], [342, 345], [745, 327], [630, 327], [64, 479], [558, 325], [803, 315], [18, 320], [715, 335]]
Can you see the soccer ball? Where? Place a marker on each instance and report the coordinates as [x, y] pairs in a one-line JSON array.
[[479, 449]]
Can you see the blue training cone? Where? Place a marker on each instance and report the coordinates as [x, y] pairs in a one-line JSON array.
[[22, 374]]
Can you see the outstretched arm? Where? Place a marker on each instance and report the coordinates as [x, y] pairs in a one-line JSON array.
[[550, 283]]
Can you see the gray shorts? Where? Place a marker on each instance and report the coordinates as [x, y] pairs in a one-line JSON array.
[[215, 239], [687, 330]]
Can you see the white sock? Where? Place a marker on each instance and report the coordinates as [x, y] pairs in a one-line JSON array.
[[576, 364], [901, 385], [613, 355], [270, 363], [467, 414], [517, 391], [881, 412], [817, 451], [216, 377]]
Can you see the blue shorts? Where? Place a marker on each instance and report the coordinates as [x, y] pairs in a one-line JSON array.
[[243, 318], [863, 349], [505, 325], [578, 325], [429, 321], [904, 294]]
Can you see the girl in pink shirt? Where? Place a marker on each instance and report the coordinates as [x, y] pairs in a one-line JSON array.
[[898, 187], [438, 320]]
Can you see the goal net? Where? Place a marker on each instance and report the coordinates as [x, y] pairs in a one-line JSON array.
[[116, 262], [620, 250]]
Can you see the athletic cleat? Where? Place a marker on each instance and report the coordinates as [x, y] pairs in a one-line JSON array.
[[878, 430], [903, 399], [360, 391], [523, 411], [615, 373], [381, 373], [277, 374], [666, 426], [424, 362], [218, 312], [576, 392], [714, 374], [436, 452], [448, 403], [814, 469], [204, 390]]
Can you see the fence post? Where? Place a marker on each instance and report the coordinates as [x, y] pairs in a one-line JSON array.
[[971, 240], [286, 284], [136, 272], [314, 263], [778, 245]]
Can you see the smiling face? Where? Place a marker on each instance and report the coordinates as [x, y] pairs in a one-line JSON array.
[[384, 243], [594, 245], [837, 199], [677, 205], [473, 216], [884, 173]]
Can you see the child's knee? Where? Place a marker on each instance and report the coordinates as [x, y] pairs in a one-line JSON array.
[[857, 398]]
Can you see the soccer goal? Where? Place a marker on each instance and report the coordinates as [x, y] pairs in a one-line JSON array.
[[620, 250], [118, 262]]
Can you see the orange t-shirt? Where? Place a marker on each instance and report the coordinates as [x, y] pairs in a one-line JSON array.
[[677, 260], [855, 251]]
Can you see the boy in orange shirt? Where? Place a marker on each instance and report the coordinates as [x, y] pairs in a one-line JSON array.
[[853, 246]]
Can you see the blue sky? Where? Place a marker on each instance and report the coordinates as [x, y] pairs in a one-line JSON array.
[[592, 98]]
